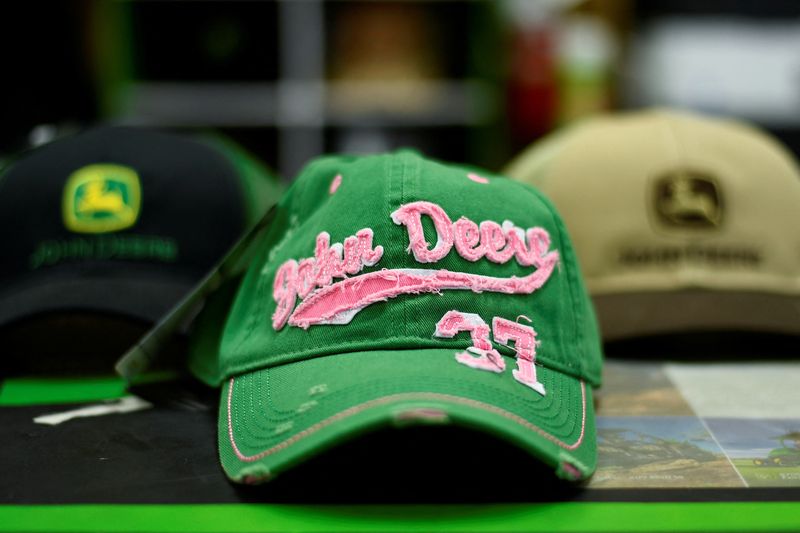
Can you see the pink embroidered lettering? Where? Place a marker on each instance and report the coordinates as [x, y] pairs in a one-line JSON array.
[[330, 261], [352, 261], [284, 292], [487, 357], [472, 242], [326, 302], [538, 243], [524, 338], [294, 279], [410, 215], [468, 239], [305, 277], [494, 239]]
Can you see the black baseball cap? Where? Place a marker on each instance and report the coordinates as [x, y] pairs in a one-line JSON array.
[[121, 220]]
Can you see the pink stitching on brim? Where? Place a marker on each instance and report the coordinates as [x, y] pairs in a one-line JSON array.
[[412, 396], [338, 303]]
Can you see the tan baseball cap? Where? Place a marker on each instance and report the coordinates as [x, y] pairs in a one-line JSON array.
[[681, 222]]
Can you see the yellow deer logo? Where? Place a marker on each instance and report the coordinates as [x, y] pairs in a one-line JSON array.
[[101, 198], [688, 199], [98, 198]]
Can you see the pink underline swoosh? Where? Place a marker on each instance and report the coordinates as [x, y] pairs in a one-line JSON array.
[[338, 303]]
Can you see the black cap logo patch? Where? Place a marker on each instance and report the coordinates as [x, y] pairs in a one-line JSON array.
[[101, 198], [688, 199]]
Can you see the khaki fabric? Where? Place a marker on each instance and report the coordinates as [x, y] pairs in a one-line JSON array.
[[660, 202]]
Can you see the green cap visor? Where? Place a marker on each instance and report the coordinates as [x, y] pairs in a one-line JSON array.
[[276, 417]]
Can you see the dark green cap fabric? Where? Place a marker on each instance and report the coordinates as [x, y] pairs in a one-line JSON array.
[[349, 319]]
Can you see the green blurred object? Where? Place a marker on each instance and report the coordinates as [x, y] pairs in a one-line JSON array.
[[49, 390], [564, 517]]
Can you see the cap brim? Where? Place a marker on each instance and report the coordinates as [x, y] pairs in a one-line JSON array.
[[273, 418], [626, 315], [142, 299]]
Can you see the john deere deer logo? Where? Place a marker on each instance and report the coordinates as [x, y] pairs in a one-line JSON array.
[[101, 198], [688, 199]]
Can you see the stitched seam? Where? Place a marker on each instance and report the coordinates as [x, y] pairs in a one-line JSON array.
[[571, 281], [260, 290], [405, 396], [378, 387]]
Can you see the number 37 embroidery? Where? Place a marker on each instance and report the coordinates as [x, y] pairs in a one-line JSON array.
[[482, 355]]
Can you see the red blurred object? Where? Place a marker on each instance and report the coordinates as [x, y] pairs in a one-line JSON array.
[[532, 86]]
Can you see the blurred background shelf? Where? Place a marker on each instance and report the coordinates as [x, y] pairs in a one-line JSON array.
[[288, 103], [473, 81], [323, 76]]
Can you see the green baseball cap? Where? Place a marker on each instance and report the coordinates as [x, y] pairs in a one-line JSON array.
[[392, 290]]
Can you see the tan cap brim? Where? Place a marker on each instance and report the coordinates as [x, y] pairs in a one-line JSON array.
[[624, 315]]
